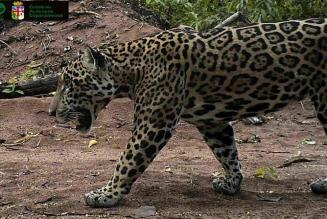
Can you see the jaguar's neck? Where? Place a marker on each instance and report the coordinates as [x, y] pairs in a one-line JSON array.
[[147, 60], [126, 67]]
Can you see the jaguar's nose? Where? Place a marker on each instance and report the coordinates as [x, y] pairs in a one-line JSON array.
[[52, 112]]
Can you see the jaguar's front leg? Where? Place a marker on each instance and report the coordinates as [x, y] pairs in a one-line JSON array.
[[140, 151], [151, 133]]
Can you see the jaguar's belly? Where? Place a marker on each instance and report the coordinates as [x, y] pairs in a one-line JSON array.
[[229, 102]]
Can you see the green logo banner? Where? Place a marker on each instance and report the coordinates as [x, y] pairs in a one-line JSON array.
[[34, 10]]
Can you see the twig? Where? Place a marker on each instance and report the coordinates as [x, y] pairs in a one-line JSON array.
[[9, 47], [64, 125], [271, 152], [297, 159], [38, 143], [10, 148], [142, 24], [10, 63], [302, 105], [130, 27], [12, 144], [85, 12], [229, 20], [268, 199], [233, 18], [105, 213], [36, 65]]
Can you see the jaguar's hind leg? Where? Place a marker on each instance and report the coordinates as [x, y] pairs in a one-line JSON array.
[[220, 139], [320, 103]]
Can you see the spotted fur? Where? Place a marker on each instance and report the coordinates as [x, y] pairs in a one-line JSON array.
[[206, 79]]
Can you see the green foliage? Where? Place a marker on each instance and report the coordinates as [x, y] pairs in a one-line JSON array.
[[204, 14], [301, 8], [266, 173], [257, 10], [275, 10], [30, 72], [12, 89], [200, 14]]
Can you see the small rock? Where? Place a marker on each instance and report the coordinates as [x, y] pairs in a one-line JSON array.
[[70, 38], [319, 186], [145, 211], [51, 23], [77, 41], [67, 48], [26, 172], [168, 169], [255, 120]]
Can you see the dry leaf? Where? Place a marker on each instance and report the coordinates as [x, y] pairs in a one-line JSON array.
[[266, 173], [92, 142], [308, 141]]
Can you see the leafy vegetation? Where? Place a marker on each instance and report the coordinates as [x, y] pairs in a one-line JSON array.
[[204, 14], [274, 10], [32, 70], [12, 89], [200, 14], [266, 173]]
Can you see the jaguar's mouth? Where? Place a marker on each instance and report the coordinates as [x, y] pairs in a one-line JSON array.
[[84, 121]]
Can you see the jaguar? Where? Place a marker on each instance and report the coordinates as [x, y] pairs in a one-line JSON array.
[[204, 78]]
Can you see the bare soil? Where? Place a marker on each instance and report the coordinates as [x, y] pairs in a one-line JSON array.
[[48, 174]]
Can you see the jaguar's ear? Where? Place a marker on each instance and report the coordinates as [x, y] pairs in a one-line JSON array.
[[94, 58]]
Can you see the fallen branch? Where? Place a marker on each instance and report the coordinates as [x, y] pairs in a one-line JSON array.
[[31, 88]]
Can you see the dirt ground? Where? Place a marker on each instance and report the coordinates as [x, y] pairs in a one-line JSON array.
[[47, 175]]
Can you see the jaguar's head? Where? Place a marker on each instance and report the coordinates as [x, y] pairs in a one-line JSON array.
[[85, 87]]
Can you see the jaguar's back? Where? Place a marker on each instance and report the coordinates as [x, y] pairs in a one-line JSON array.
[[238, 72]]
